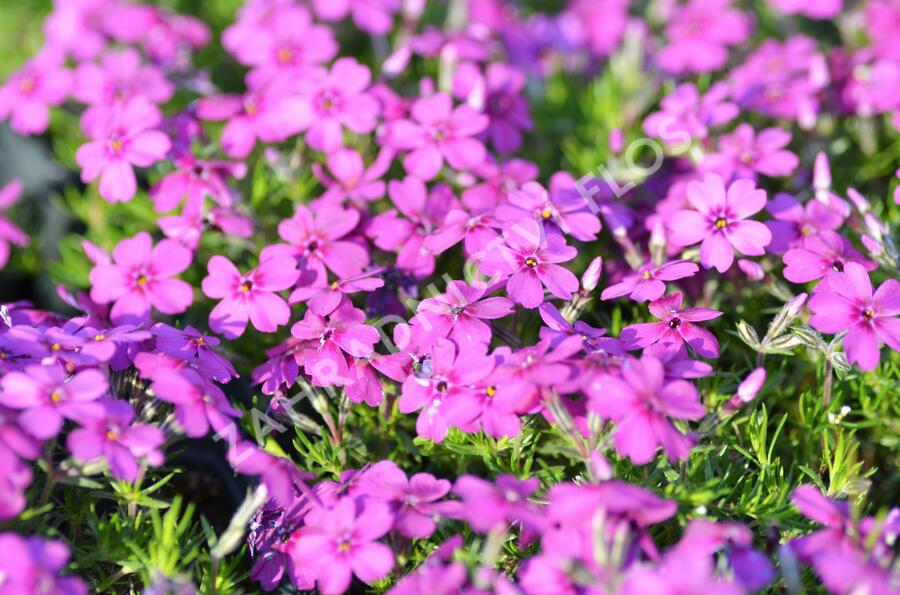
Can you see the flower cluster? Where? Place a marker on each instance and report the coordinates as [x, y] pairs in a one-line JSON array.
[[387, 233]]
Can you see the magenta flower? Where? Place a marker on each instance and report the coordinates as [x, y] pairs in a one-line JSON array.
[[106, 345], [567, 212], [460, 312], [687, 116], [194, 180], [443, 388], [9, 232], [339, 542], [675, 328], [284, 44], [140, 277], [199, 404], [123, 445], [14, 439], [530, 258], [319, 238], [818, 255], [120, 140], [248, 296], [33, 565], [372, 16], [823, 9], [15, 478], [699, 34], [720, 221], [271, 112], [795, 225], [192, 346], [351, 179], [642, 403], [647, 283], [118, 79], [439, 132], [744, 153], [46, 397], [338, 100], [324, 299], [415, 500], [489, 505], [26, 97], [844, 301], [344, 331]]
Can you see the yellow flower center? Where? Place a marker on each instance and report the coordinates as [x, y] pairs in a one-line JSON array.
[[646, 274], [490, 391], [531, 262], [285, 55], [99, 337], [56, 347], [721, 223], [112, 435], [56, 396], [868, 314], [334, 286], [546, 214], [246, 286], [142, 280]]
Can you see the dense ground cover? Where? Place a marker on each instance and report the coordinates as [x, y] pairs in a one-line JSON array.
[[469, 296]]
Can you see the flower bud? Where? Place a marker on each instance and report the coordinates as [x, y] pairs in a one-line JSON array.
[[616, 141], [859, 201], [591, 277], [747, 390]]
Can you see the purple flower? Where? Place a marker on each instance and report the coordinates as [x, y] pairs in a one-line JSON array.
[[744, 153], [9, 233], [647, 283], [460, 312], [642, 403], [192, 346], [339, 542], [249, 296], [844, 301], [46, 397], [122, 444], [674, 329], [439, 132], [699, 34], [794, 225], [823, 9], [351, 179], [567, 212], [371, 16], [140, 276], [506, 106], [687, 116], [106, 346], [25, 98], [530, 258], [324, 299], [33, 565], [487, 505], [123, 138], [195, 179], [720, 221]]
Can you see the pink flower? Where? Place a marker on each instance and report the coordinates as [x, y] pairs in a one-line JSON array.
[[351, 179], [9, 232], [284, 44], [819, 254], [25, 98], [744, 153], [195, 179], [641, 403], [699, 35], [191, 346], [647, 283], [686, 116], [123, 138], [674, 329], [506, 106], [439, 132], [319, 238], [372, 16], [444, 389], [844, 301], [47, 397], [603, 23], [249, 296], [565, 212], [323, 299], [270, 112], [339, 99], [720, 221], [530, 258], [139, 277], [199, 404], [121, 443], [460, 312], [118, 79], [344, 331], [822, 9], [337, 543]]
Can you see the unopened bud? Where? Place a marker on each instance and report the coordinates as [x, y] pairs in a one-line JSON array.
[[616, 141], [752, 269], [821, 175], [748, 334], [786, 316], [747, 390], [859, 201], [591, 277]]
